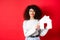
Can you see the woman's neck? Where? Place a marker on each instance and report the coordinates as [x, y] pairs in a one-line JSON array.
[[31, 18]]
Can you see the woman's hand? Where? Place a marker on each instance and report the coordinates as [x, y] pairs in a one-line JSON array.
[[37, 27]]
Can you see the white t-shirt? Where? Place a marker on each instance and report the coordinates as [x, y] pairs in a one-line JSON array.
[[29, 28]]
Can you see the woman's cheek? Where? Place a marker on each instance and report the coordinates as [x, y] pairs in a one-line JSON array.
[[30, 13]]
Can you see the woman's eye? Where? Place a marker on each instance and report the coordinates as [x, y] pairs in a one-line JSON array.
[[31, 11]]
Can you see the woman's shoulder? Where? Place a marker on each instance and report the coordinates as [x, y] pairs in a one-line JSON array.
[[25, 21], [31, 20]]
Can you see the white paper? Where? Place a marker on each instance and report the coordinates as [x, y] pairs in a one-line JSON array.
[[46, 20]]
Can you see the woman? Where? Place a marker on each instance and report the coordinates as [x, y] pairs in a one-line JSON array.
[[31, 26]]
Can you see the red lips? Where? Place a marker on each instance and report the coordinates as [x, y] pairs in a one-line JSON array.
[[32, 14]]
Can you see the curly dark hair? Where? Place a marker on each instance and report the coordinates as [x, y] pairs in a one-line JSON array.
[[38, 12]]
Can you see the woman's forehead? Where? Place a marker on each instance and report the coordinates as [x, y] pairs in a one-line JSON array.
[[31, 9]]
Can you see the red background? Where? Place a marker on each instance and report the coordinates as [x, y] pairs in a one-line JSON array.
[[11, 18]]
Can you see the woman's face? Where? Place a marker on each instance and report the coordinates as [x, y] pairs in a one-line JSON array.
[[31, 12]]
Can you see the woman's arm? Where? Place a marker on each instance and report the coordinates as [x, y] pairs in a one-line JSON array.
[[44, 32], [28, 32]]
